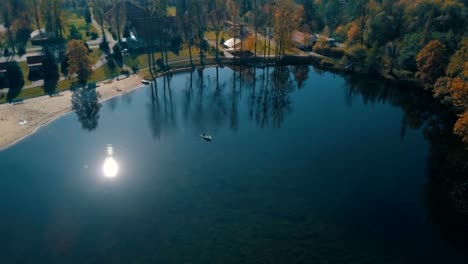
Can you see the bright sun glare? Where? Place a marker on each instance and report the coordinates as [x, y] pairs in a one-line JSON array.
[[110, 168]]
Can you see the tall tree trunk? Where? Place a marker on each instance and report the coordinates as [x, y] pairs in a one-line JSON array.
[[117, 20], [255, 27], [12, 43], [265, 45], [217, 43], [166, 35], [36, 15], [190, 52]]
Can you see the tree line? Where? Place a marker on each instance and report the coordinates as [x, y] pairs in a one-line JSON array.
[[424, 39]]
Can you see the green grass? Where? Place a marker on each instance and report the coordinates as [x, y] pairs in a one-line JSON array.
[[212, 36], [141, 60], [24, 68], [103, 72], [95, 55], [171, 11], [81, 25], [261, 47]]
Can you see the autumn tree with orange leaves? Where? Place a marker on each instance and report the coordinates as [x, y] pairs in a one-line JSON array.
[[432, 61], [79, 60], [287, 17], [453, 87]]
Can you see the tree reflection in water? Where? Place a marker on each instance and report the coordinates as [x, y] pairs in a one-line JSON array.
[[86, 104], [207, 103], [446, 190]]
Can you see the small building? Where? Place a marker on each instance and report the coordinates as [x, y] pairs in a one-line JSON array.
[[40, 37], [303, 41], [232, 44], [237, 29], [144, 25], [35, 63]]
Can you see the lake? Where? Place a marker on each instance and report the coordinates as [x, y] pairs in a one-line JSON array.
[[305, 166]]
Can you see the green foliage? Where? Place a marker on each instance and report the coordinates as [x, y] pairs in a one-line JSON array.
[[22, 35], [86, 104], [326, 50], [50, 72], [94, 35], [74, 33], [104, 46], [374, 60], [64, 66], [118, 54], [88, 16], [15, 79], [410, 46], [356, 53], [21, 51]]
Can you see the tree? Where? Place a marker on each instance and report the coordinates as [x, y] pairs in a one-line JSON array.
[[117, 5], [461, 127], [7, 23], [79, 61], [118, 54], [356, 53], [287, 18], [458, 60], [88, 15], [99, 11], [51, 11], [217, 14], [373, 60], [74, 33], [432, 61], [249, 43], [86, 104], [50, 71], [15, 79], [354, 33], [390, 56]]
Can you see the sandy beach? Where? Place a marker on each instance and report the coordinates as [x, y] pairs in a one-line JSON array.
[[42, 110]]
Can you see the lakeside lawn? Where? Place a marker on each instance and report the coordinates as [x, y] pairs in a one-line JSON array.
[[141, 60], [100, 74], [25, 69]]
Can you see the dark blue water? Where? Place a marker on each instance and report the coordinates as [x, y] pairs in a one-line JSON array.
[[304, 167]]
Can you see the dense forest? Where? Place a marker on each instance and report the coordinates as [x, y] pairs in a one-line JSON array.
[[424, 40]]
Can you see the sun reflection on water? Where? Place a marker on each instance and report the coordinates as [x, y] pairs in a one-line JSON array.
[[110, 167]]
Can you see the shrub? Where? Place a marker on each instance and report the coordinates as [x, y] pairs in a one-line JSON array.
[[356, 53], [21, 51], [94, 35], [74, 33], [326, 50]]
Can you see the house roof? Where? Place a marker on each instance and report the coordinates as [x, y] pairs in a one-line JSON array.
[[230, 43], [35, 60], [36, 34], [301, 37]]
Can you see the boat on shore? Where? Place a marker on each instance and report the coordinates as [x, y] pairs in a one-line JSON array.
[[145, 81]]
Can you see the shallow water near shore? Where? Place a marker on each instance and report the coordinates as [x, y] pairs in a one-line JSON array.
[[304, 167]]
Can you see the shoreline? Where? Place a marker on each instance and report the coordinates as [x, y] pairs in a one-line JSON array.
[[43, 110]]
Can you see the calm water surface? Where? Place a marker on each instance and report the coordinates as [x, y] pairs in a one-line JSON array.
[[304, 167]]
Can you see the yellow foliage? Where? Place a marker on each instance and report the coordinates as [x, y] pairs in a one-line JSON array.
[[78, 60], [249, 43], [461, 127], [353, 33]]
